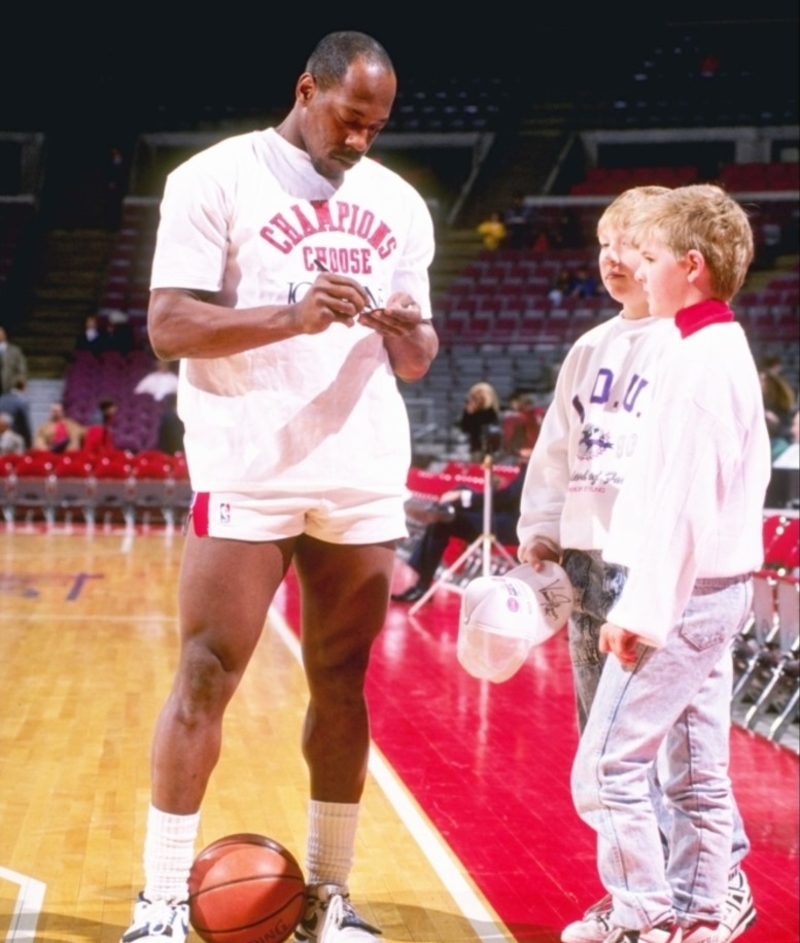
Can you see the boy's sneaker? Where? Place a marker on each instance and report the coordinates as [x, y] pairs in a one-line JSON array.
[[158, 920], [663, 933], [331, 918], [705, 933], [738, 911], [593, 927]]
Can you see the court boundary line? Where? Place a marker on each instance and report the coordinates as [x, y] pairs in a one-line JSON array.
[[28, 907], [440, 856]]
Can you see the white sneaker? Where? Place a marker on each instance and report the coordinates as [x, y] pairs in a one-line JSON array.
[[331, 918], [158, 920], [738, 911], [663, 933], [593, 927]]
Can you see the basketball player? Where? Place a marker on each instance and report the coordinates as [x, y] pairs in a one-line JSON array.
[[290, 278], [587, 440]]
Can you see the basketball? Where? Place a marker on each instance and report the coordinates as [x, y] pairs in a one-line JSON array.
[[245, 889]]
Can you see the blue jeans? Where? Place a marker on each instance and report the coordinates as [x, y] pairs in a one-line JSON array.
[[675, 700]]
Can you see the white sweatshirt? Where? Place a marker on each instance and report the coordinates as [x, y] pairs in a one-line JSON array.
[[693, 500], [591, 432]]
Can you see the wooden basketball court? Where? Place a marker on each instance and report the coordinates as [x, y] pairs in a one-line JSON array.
[[467, 828]]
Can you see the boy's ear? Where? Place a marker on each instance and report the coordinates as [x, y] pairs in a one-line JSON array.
[[696, 264]]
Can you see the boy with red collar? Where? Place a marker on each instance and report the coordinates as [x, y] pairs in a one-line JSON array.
[[687, 526]]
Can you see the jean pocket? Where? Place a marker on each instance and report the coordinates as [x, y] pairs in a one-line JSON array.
[[713, 619]]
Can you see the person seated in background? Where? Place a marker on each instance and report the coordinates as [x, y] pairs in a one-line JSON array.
[[480, 417], [493, 231], [91, 338], [560, 287], [13, 365], [461, 515], [99, 437], [159, 383], [170, 427], [583, 284], [790, 456], [16, 404], [517, 221], [520, 423], [11, 443], [779, 402], [59, 433]]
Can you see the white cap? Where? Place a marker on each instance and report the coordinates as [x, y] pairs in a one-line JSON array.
[[502, 617]]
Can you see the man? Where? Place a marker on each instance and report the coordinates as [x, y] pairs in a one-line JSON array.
[[16, 404], [13, 366], [11, 443], [460, 514], [59, 433], [290, 279], [100, 436]]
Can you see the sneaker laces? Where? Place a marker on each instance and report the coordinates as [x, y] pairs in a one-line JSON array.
[[158, 919], [343, 914]]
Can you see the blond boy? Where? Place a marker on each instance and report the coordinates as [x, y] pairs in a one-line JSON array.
[[687, 528]]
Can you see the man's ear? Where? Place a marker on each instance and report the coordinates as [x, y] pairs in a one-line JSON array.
[[306, 88]]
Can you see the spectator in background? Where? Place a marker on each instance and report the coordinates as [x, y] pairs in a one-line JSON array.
[[99, 437], [159, 383], [480, 419], [561, 287], [583, 284], [119, 335], [518, 224], [493, 231], [460, 514], [16, 404], [13, 366], [91, 338], [10, 442], [170, 427], [790, 456], [521, 423], [59, 433], [779, 397]]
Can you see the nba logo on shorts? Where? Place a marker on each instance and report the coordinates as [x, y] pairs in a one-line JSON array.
[[224, 513]]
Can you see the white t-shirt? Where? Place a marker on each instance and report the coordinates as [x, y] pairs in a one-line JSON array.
[[590, 432], [692, 506], [245, 219]]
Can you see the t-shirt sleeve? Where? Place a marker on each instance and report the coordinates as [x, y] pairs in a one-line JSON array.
[[193, 231], [411, 273]]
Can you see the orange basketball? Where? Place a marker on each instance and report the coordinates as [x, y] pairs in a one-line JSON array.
[[246, 889]]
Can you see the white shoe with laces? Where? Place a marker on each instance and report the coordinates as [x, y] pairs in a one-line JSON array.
[[593, 927], [331, 918], [158, 920]]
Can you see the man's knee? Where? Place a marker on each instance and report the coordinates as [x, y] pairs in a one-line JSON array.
[[203, 684]]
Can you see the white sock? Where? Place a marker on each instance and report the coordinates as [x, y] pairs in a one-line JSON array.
[[331, 841], [168, 854]]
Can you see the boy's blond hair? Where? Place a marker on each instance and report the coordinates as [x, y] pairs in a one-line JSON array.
[[618, 214], [705, 218]]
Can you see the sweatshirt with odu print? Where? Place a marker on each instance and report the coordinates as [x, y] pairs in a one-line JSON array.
[[250, 220], [591, 432], [692, 507]]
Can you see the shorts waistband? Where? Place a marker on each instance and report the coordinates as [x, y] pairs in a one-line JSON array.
[[715, 583]]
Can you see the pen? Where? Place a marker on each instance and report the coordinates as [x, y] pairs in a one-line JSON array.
[[320, 266]]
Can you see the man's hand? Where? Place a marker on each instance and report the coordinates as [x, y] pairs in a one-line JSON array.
[[399, 317], [619, 642], [332, 298], [410, 341], [536, 554]]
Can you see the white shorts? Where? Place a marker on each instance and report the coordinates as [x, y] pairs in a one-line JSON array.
[[344, 516]]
